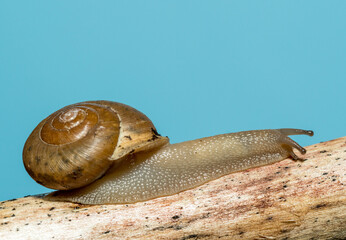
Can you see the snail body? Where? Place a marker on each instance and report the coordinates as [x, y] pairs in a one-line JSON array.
[[153, 167]]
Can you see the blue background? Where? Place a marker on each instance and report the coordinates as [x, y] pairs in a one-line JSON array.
[[196, 68]]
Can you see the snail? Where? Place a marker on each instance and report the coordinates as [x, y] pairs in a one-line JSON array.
[[103, 152]]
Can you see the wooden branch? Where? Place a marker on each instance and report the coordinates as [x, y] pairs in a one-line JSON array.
[[286, 200]]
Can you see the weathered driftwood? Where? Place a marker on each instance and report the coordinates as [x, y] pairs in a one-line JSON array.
[[286, 200]]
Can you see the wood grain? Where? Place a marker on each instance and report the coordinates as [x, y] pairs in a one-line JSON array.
[[286, 200]]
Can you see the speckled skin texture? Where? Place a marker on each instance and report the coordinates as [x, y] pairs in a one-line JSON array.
[[178, 167], [285, 200]]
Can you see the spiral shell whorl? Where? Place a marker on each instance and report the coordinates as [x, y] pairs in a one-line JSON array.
[[73, 146], [67, 126], [77, 144]]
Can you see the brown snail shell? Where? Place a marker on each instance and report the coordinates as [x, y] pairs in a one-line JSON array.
[[77, 144]]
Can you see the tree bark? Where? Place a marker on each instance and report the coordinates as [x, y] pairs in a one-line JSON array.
[[286, 200]]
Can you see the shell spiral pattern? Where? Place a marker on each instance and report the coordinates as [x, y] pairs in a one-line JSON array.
[[77, 144]]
